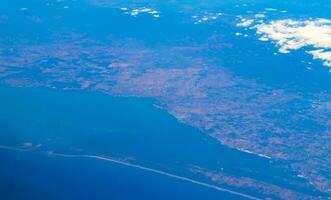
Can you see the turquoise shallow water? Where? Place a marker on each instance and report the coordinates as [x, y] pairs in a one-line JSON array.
[[88, 123]]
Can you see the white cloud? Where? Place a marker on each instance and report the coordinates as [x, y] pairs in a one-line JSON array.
[[291, 34], [259, 15], [323, 55], [137, 11], [295, 34], [207, 17], [245, 22], [270, 9]]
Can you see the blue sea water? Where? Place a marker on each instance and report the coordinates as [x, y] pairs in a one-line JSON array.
[[35, 176], [78, 122], [89, 123], [99, 125]]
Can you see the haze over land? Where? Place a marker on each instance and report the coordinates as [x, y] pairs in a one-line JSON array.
[[253, 76]]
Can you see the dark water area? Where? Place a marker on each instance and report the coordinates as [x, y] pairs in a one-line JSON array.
[[78, 122], [27, 175]]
